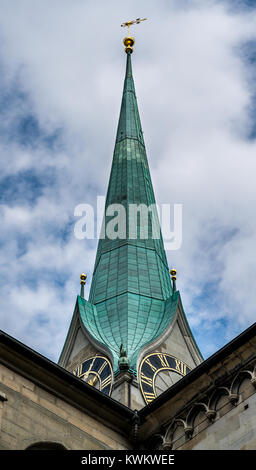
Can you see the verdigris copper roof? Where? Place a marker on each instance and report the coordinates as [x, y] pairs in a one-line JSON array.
[[131, 300]]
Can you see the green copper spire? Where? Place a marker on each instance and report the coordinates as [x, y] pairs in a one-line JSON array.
[[129, 126], [131, 301]]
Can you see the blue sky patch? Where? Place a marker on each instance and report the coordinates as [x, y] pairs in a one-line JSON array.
[[25, 187]]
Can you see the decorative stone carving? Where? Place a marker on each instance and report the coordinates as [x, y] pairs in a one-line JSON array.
[[208, 406]]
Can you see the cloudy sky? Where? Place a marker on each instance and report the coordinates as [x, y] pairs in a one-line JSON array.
[[61, 76]]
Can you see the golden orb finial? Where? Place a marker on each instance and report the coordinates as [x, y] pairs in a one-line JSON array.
[[173, 273], [129, 41], [82, 282], [83, 278]]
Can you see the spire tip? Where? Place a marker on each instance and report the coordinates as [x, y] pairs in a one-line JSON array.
[[82, 282], [83, 278], [129, 41], [173, 273]]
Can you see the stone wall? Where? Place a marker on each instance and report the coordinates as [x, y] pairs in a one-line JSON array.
[[234, 427], [32, 415], [220, 416]]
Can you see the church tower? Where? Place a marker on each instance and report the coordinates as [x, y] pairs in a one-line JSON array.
[[131, 338]]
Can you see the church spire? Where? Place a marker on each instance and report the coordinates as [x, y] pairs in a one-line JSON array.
[[132, 301], [131, 282]]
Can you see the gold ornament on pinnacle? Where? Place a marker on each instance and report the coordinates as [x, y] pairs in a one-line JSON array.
[[129, 43], [173, 273], [128, 40], [83, 278]]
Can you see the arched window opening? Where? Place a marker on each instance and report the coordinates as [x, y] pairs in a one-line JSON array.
[[47, 445]]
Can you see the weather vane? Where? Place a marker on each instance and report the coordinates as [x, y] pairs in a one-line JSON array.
[[129, 23], [129, 41]]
